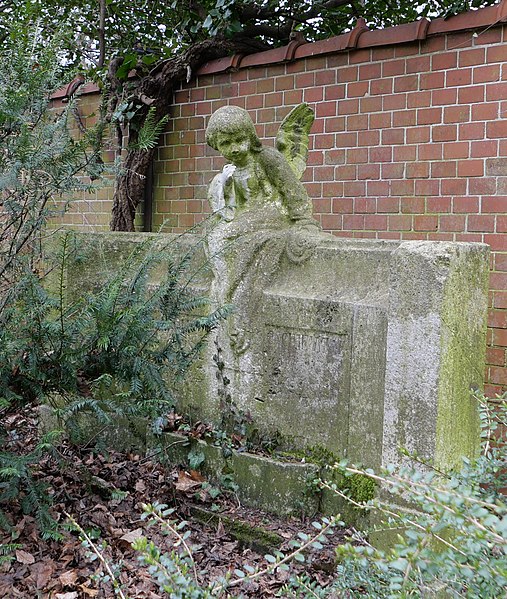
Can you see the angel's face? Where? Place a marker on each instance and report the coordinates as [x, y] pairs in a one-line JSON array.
[[235, 146]]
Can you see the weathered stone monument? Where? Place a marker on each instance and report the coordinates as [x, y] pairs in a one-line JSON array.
[[358, 346]]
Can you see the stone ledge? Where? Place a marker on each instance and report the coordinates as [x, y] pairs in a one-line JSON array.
[[265, 483], [278, 487]]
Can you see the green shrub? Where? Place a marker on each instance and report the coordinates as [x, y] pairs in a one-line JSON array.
[[39, 160], [452, 529], [117, 351], [122, 349], [176, 572], [39, 164]]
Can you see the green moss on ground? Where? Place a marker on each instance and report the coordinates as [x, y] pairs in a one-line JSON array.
[[257, 538]]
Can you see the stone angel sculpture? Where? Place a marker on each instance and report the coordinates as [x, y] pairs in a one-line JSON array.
[[262, 208], [260, 177]]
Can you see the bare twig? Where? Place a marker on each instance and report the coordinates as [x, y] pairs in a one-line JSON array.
[[413, 486], [97, 552], [277, 563], [154, 514], [163, 450], [381, 507]]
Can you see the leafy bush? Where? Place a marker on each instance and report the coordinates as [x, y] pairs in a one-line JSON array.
[[116, 351], [450, 529], [18, 483], [122, 349], [176, 573], [39, 166], [39, 160]]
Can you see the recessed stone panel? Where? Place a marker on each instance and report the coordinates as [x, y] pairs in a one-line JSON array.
[[306, 384]]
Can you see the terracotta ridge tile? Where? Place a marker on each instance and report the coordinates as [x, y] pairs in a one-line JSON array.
[[87, 88], [361, 37], [501, 13], [473, 19], [338, 43], [221, 64], [407, 32]]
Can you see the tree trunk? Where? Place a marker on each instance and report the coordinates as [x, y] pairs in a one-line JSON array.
[[156, 89], [129, 188]]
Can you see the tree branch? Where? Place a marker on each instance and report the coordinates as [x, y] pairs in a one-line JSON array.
[[102, 33], [283, 31], [254, 11]]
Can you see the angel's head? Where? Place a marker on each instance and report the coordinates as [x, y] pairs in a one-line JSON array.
[[231, 131]]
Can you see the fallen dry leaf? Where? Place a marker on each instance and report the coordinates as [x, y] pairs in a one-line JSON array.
[[172, 420], [72, 595], [68, 578], [43, 571], [220, 529], [23, 557], [197, 476], [185, 482], [133, 535], [140, 486], [88, 591]]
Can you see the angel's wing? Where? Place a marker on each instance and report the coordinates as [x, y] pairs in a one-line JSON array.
[[292, 138]]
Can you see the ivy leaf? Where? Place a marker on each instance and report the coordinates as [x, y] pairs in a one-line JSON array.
[[149, 59], [195, 458]]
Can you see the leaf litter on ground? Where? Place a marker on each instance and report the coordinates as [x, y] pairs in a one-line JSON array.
[[104, 492]]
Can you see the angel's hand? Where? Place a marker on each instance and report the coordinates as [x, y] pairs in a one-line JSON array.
[[226, 174], [221, 193]]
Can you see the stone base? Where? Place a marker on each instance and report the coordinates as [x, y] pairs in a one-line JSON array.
[[363, 348], [275, 486], [265, 483]]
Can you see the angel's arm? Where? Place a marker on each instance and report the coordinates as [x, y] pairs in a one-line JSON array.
[[221, 193]]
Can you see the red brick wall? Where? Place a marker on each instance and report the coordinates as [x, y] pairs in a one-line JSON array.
[[90, 209], [409, 140]]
